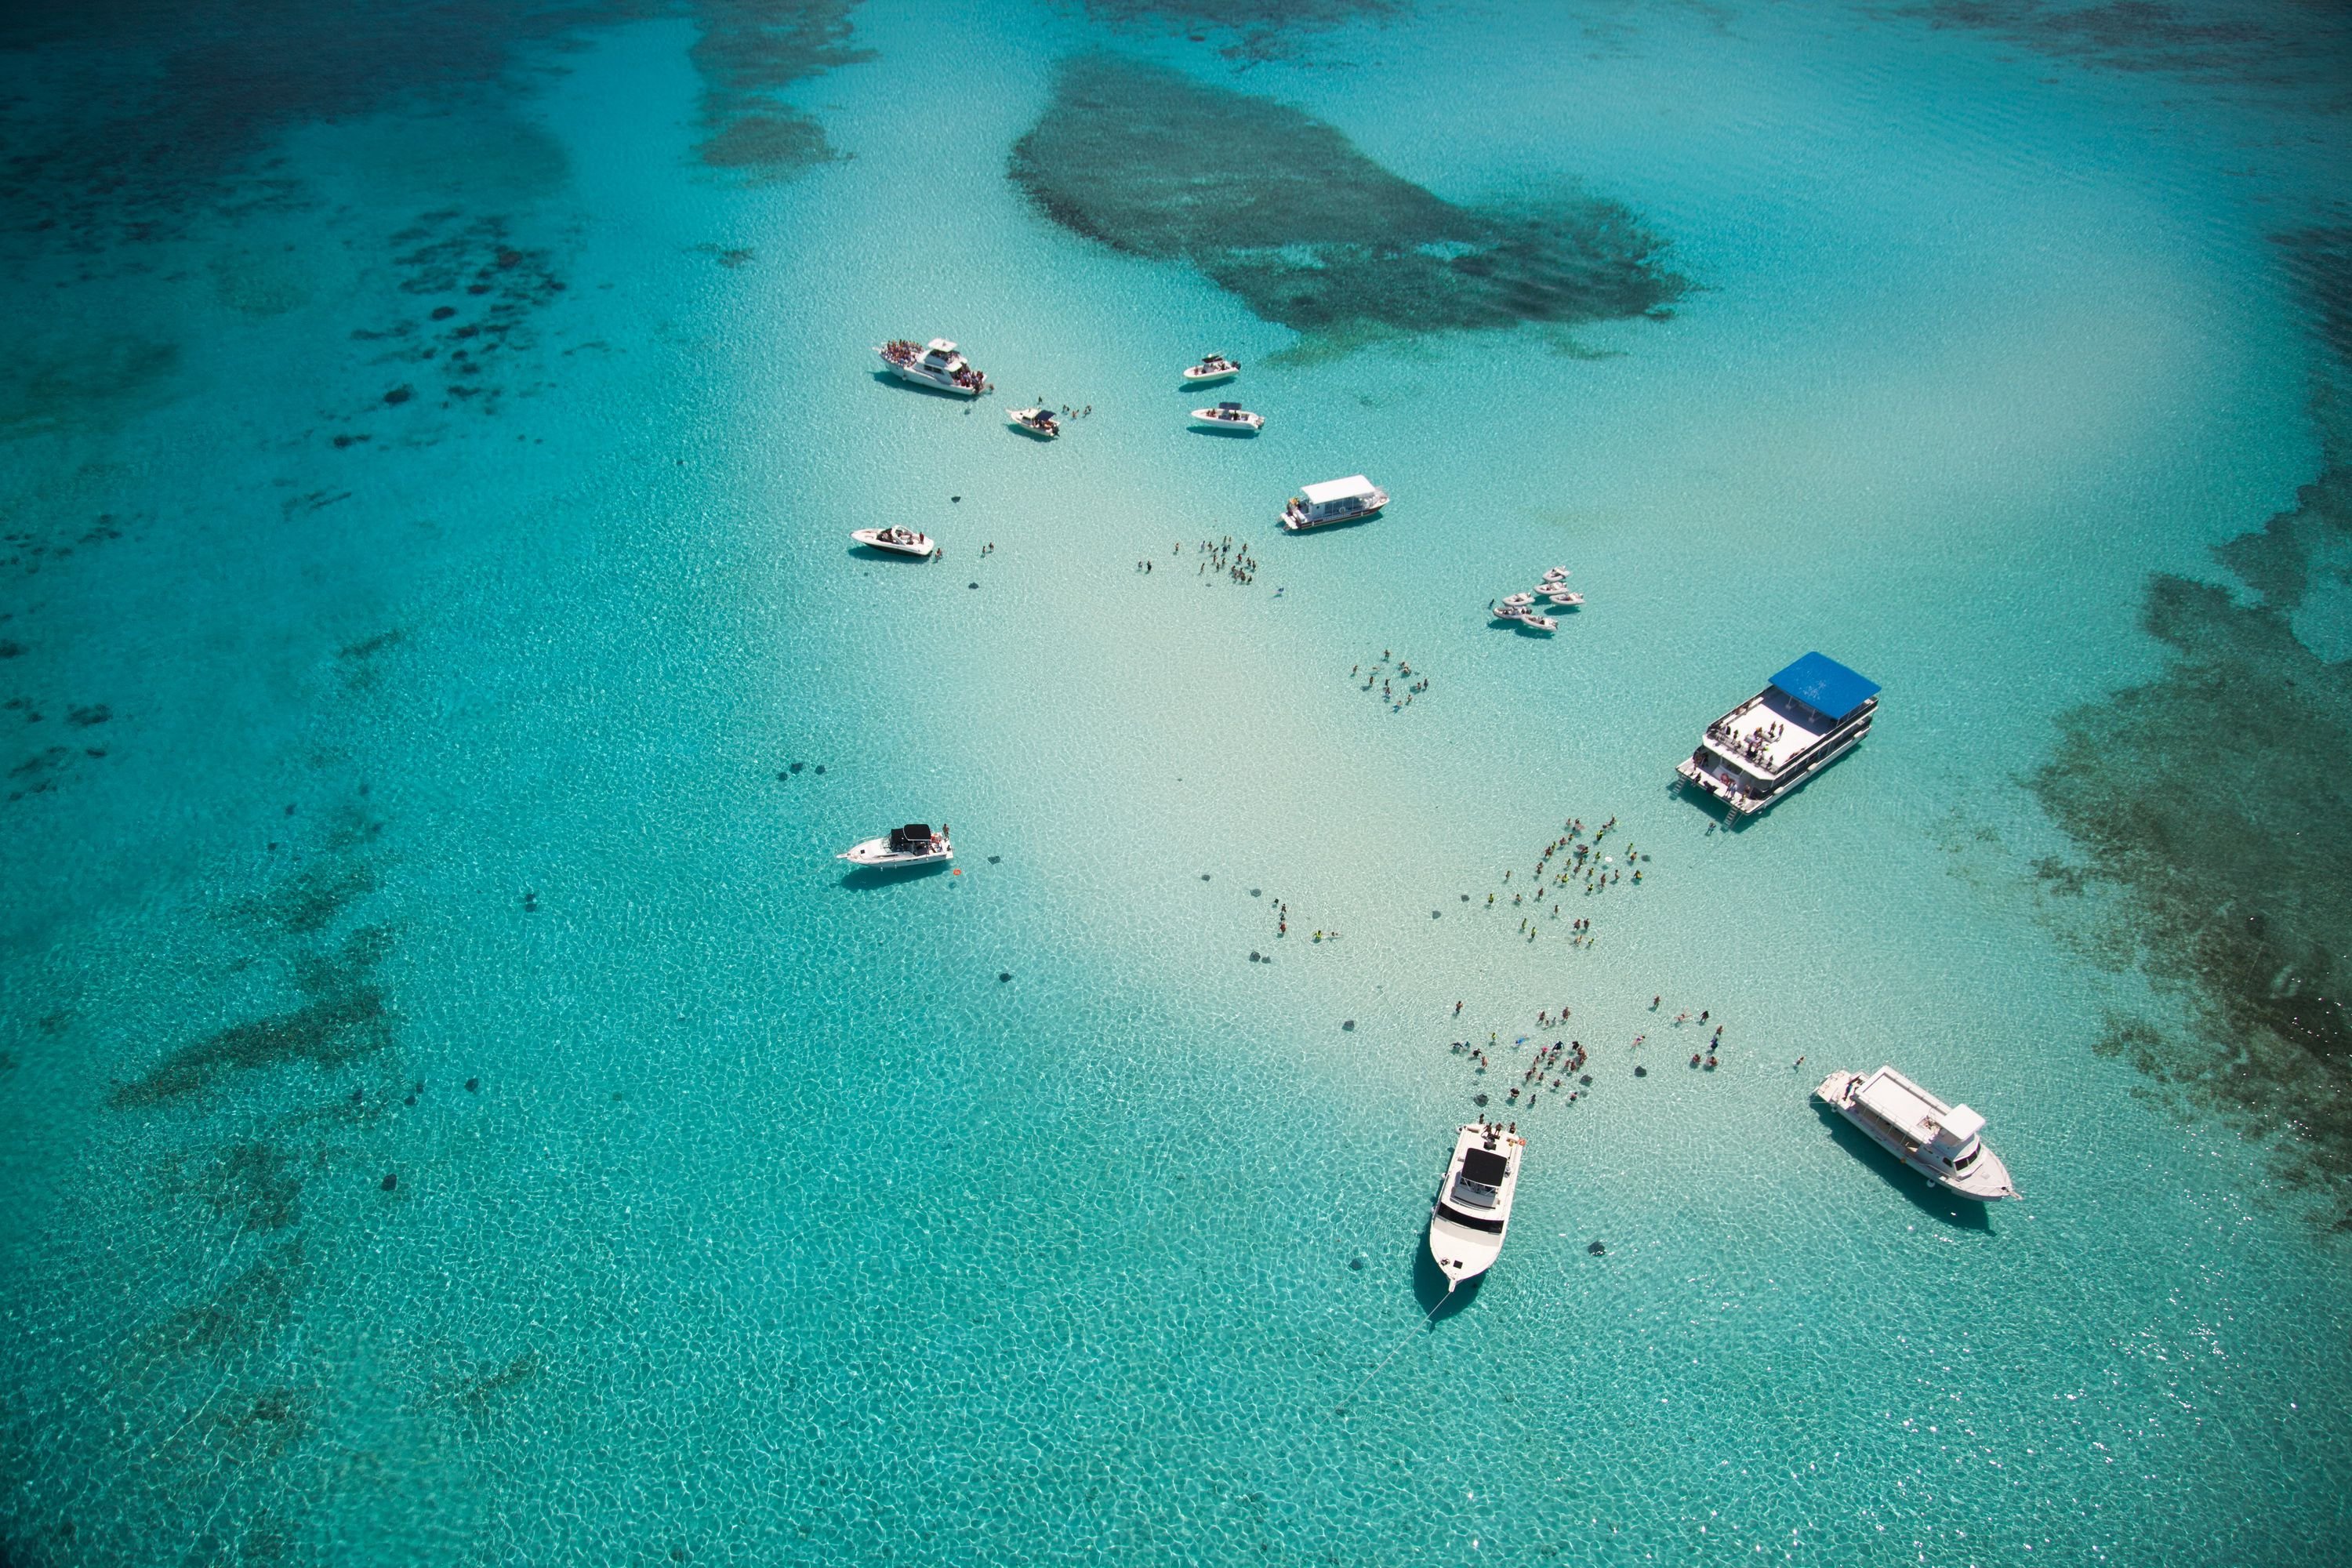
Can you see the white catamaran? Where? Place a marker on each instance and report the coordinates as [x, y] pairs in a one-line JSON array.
[[1767, 748]]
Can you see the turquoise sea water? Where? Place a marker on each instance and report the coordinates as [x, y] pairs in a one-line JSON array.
[[455, 1107]]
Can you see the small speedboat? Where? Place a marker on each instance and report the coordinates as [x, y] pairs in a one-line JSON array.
[[1571, 601], [1520, 601], [1472, 1210], [903, 541], [1229, 417], [1037, 422], [1555, 573], [935, 365], [1213, 367], [913, 845], [1536, 623]]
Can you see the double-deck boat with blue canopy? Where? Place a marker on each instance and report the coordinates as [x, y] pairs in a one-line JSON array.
[[1814, 713]]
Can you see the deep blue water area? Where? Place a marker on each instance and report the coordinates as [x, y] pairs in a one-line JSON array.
[[456, 1107]]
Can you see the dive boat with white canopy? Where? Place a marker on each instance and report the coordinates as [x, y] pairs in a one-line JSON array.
[[1334, 500], [1231, 417], [1943, 1142], [1814, 713], [903, 541], [1213, 367], [913, 845], [936, 365], [1473, 1211]]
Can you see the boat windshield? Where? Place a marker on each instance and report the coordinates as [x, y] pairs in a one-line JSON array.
[[1455, 1216]]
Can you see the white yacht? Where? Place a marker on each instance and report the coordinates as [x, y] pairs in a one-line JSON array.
[[1943, 1142], [1334, 500], [904, 540], [913, 845], [1037, 422], [1213, 367], [1229, 417], [934, 364], [1767, 748], [1474, 1204]]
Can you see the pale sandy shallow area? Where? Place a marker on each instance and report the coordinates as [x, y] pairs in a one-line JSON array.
[[459, 821]]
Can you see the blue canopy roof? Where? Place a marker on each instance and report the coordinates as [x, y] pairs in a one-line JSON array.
[[1823, 684]]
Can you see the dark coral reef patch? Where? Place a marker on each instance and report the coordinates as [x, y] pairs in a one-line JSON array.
[[750, 50], [1287, 214], [344, 1016], [2215, 797]]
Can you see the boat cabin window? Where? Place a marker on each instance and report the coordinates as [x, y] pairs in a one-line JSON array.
[[1964, 1160], [1448, 1212]]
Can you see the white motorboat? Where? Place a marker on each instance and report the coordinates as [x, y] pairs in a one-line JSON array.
[[1569, 601], [935, 365], [1524, 616], [1334, 500], [1943, 1142], [1213, 367], [1520, 601], [913, 845], [1230, 416], [1769, 746], [1473, 1211], [1555, 573], [904, 540], [1037, 422]]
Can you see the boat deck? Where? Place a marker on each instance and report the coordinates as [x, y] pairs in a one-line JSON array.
[[1756, 717], [1899, 1105]]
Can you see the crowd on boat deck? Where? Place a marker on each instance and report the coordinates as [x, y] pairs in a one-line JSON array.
[[1754, 745]]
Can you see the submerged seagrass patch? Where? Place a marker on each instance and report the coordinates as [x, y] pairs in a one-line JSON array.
[[1289, 215]]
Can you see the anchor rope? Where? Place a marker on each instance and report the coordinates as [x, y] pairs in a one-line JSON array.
[[1426, 1319]]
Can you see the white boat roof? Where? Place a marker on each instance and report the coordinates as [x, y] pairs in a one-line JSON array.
[[940, 346], [1330, 490], [1898, 1101]]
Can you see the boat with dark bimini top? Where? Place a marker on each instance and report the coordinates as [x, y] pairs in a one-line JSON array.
[[1472, 1210], [913, 845], [1212, 367], [1768, 747], [1943, 1142], [1230, 417]]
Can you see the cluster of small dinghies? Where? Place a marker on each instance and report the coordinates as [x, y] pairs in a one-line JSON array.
[[1811, 713], [1529, 609]]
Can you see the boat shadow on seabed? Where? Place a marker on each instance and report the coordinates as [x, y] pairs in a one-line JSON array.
[[1945, 1207], [864, 877]]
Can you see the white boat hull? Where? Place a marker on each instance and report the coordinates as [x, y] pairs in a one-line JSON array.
[[1295, 522], [1986, 1180], [872, 538], [877, 852], [1200, 377], [1021, 419], [1465, 1237], [917, 375]]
